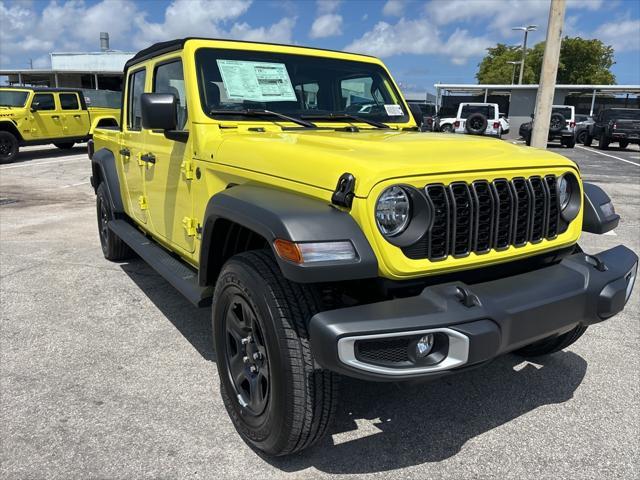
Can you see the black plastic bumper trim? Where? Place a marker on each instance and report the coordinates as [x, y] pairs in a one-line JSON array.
[[510, 313]]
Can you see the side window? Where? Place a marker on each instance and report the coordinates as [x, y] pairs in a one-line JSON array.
[[136, 89], [44, 101], [169, 78], [69, 101]]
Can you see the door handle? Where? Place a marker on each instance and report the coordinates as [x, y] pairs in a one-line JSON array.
[[125, 152], [148, 158], [76, 116], [55, 116]]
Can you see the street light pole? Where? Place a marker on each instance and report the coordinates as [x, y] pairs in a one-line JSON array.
[[513, 72], [526, 30]]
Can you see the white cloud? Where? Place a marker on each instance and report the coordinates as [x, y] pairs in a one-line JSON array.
[[280, 32], [329, 22], [393, 8], [622, 36], [418, 37], [328, 25]]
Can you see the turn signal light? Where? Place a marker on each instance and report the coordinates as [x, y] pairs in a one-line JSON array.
[[315, 252], [496, 125], [288, 250]]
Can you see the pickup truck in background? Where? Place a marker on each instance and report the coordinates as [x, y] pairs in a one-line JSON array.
[[39, 116], [612, 125]]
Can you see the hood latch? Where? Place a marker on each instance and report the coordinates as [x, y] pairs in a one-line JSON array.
[[344, 192]]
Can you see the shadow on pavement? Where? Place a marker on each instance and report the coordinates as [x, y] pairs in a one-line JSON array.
[[193, 323], [27, 155], [389, 426]]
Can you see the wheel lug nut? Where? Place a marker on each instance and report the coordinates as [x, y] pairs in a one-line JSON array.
[[253, 369], [245, 340], [245, 359], [257, 356]]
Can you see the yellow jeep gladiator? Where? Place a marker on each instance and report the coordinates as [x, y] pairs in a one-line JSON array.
[[291, 189], [38, 116]]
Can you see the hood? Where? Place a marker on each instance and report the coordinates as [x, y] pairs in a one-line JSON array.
[[319, 157]]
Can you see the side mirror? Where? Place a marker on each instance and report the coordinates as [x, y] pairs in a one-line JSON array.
[[159, 111], [417, 114], [34, 106]]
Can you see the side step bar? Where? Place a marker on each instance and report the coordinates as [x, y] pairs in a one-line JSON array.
[[174, 271]]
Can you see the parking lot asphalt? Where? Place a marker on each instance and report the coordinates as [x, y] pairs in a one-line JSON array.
[[107, 372]]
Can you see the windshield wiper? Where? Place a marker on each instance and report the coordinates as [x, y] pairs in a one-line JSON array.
[[345, 116], [263, 113]]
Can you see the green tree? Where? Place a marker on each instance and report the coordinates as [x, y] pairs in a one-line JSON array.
[[581, 62]]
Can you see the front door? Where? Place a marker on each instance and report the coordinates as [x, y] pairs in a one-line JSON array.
[[75, 120], [133, 167], [168, 181], [45, 119]]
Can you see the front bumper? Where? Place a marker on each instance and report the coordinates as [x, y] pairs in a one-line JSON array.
[[475, 322]]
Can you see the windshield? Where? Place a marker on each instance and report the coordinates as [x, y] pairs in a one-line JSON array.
[[622, 114], [488, 111], [295, 85], [12, 98]]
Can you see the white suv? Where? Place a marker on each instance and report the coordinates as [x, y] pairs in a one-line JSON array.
[[480, 119]]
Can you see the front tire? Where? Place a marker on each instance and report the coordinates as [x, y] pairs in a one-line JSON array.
[[278, 399], [603, 144], [588, 140], [552, 344], [113, 248], [65, 146], [8, 147], [624, 144]]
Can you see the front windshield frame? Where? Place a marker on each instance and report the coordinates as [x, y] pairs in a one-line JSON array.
[[16, 101], [206, 56]]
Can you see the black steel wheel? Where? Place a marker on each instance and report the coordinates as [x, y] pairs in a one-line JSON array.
[[278, 398], [246, 354], [8, 147]]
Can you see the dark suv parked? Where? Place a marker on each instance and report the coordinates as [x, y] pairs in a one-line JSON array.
[[620, 125]]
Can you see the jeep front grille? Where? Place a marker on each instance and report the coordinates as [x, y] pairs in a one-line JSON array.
[[482, 216]]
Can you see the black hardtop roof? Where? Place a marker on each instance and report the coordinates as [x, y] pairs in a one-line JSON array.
[[161, 48], [43, 89]]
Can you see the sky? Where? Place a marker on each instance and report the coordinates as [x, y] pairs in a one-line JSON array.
[[422, 42]]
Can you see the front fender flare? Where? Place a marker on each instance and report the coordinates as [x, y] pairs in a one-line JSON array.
[[275, 214]]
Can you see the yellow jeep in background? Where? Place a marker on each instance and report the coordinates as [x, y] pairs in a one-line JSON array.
[[290, 188], [38, 116]]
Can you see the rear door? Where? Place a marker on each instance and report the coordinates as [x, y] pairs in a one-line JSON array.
[[45, 118], [75, 120], [168, 180], [133, 167]]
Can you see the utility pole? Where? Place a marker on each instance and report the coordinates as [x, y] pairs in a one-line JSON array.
[[547, 87], [526, 30]]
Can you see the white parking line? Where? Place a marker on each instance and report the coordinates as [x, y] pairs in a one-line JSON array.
[[610, 156], [35, 164]]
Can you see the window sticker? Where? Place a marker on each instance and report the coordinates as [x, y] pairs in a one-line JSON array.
[[256, 81], [394, 110]]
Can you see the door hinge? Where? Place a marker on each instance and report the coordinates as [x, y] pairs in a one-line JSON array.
[[142, 202], [190, 225], [186, 167]]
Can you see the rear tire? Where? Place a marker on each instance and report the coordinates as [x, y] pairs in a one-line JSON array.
[[588, 140], [569, 142], [65, 146], [624, 144], [552, 344], [582, 136], [603, 144], [527, 139], [280, 401], [8, 147], [113, 248], [446, 128]]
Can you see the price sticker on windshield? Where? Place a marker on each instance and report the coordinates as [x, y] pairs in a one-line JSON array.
[[394, 110], [256, 81]]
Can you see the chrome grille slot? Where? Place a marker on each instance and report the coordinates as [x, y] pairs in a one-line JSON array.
[[483, 215]]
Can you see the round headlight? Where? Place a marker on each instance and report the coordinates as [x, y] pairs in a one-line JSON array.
[[564, 191], [393, 211]]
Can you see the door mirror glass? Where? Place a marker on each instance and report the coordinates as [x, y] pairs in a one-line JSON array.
[[34, 106], [159, 111]]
